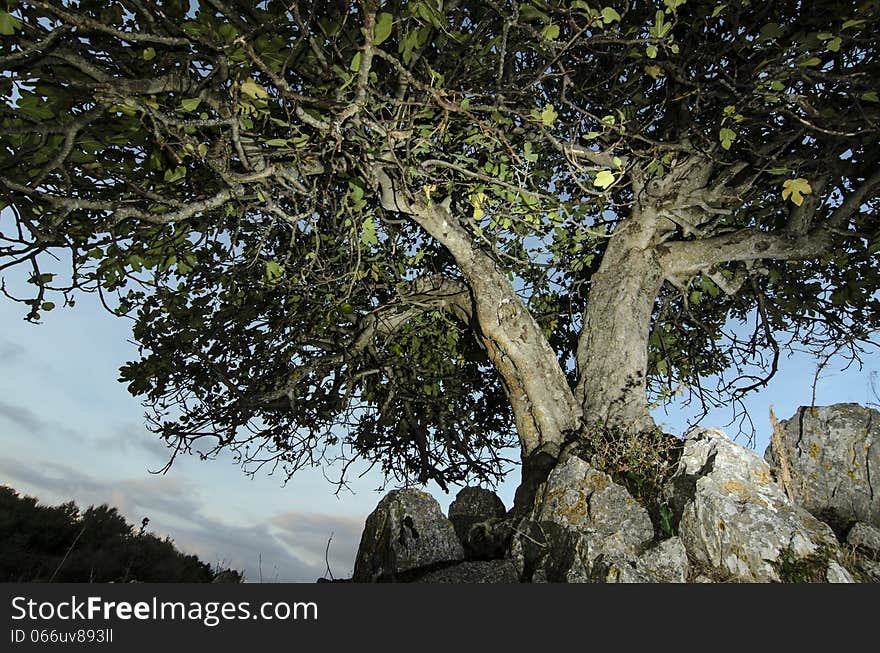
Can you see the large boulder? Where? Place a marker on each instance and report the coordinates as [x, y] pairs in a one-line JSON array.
[[407, 534], [833, 454], [736, 520], [473, 505], [580, 516]]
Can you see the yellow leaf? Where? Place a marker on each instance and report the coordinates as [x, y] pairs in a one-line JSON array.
[[795, 189], [477, 201], [603, 180]]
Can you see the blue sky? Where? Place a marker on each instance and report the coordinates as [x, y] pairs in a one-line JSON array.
[[70, 431]]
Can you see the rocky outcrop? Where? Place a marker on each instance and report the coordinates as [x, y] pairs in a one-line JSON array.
[[405, 535], [833, 453], [736, 520], [726, 516]]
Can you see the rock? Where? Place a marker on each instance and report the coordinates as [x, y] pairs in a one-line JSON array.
[[580, 514], [473, 505], [616, 569], [871, 570], [738, 521], [665, 563], [837, 574], [587, 501], [867, 538], [489, 540], [406, 533], [833, 453], [480, 571]]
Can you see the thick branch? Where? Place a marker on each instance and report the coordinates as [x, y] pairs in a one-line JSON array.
[[542, 401], [691, 257]]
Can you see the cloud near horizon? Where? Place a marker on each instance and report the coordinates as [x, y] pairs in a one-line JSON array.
[[288, 547]]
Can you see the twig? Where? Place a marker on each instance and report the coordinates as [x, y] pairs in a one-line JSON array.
[[327, 557], [67, 553]]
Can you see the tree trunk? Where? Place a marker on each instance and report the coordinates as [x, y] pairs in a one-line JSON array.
[[612, 354]]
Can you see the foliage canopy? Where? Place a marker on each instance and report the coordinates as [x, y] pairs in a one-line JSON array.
[[404, 230]]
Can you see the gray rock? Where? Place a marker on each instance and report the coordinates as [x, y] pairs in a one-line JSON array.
[[405, 533], [473, 505], [480, 571], [837, 574], [580, 514], [834, 456], [739, 521], [617, 569], [864, 537], [587, 501], [665, 563], [489, 540], [871, 570]]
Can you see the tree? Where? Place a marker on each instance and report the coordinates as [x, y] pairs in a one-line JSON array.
[[403, 230], [65, 544]]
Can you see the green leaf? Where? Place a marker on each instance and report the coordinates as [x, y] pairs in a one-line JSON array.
[[277, 142], [674, 4], [834, 44], [355, 64], [603, 180], [148, 54], [9, 24], [795, 189], [47, 306], [726, 136], [870, 96], [651, 51], [654, 71], [190, 104], [384, 24], [718, 10], [609, 15], [548, 115], [550, 32], [173, 175], [254, 90], [274, 270], [368, 232], [812, 61]]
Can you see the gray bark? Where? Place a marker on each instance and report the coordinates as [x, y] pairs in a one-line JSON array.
[[542, 402], [612, 355]]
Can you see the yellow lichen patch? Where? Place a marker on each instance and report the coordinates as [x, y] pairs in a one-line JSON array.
[[762, 476], [813, 450], [735, 487], [721, 525]]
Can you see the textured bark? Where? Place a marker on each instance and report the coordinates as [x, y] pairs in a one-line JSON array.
[[612, 354], [542, 402]]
